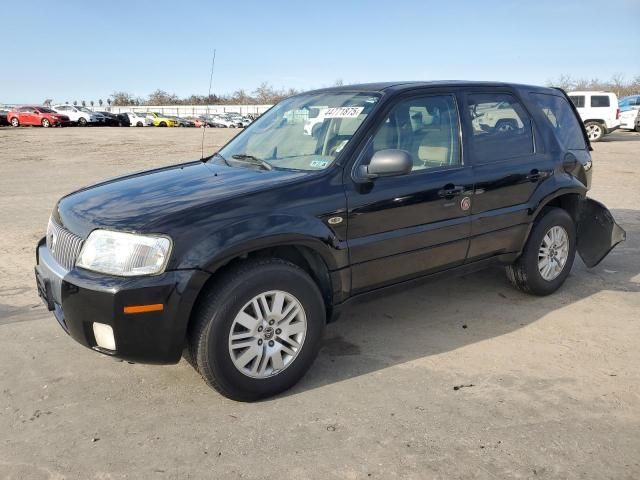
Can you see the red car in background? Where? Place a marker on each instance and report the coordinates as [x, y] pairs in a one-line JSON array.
[[32, 115]]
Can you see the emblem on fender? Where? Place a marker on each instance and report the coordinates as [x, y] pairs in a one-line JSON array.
[[465, 203]]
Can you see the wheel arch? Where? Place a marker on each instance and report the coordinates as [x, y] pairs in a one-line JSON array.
[[568, 199], [307, 255]]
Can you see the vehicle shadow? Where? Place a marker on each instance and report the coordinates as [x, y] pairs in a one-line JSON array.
[[621, 137], [445, 315]]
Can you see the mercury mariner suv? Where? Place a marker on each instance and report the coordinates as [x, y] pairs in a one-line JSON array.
[[237, 261]]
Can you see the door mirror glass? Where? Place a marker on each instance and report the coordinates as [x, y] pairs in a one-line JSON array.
[[388, 163]]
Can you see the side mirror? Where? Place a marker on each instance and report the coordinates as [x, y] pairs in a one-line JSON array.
[[387, 163]]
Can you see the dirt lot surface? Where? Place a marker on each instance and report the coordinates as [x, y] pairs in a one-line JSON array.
[[552, 385]]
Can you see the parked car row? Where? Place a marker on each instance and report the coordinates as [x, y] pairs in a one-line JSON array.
[[66, 115]]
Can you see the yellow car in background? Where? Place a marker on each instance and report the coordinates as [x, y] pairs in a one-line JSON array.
[[159, 120]]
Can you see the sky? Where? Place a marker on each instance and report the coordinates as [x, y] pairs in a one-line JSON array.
[[79, 50]]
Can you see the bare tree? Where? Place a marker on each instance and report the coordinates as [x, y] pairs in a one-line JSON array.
[[617, 84], [47, 102]]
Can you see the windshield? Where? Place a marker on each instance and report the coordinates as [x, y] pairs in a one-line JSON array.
[[45, 110], [297, 134]]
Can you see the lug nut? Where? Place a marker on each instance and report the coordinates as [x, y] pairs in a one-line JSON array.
[[271, 343], [260, 342], [278, 331], [271, 322], [260, 328]]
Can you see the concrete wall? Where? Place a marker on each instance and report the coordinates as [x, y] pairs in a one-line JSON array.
[[188, 110]]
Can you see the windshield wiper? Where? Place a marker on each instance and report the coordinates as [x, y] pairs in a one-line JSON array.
[[252, 160]]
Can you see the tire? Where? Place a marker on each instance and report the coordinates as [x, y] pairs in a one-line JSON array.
[[45, 123], [637, 129], [162, 124], [139, 124], [527, 273], [15, 122], [228, 300], [595, 131], [82, 122]]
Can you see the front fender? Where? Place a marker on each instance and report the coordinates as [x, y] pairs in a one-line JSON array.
[[598, 232], [255, 233]]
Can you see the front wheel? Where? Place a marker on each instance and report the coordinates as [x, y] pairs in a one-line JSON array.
[[46, 123], [258, 329], [548, 254], [15, 122], [82, 122], [595, 131]]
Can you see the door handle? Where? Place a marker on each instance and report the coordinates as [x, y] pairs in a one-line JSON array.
[[450, 191]]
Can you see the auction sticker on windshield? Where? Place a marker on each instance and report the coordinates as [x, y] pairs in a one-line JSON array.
[[343, 112]]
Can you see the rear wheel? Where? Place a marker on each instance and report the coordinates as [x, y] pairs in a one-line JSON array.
[[258, 329], [162, 124], [548, 254], [15, 122], [45, 123], [139, 124], [595, 131], [82, 122]]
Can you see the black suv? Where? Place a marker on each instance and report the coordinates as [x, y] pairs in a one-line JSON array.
[[239, 260]]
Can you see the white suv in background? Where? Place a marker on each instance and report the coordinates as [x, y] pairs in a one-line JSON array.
[[80, 115], [137, 119], [599, 112]]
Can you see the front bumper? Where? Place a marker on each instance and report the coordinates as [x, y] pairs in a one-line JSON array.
[[78, 298]]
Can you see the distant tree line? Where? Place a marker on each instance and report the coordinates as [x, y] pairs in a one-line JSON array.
[[617, 84], [265, 94]]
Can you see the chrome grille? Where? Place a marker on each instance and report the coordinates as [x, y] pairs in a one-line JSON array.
[[63, 245]]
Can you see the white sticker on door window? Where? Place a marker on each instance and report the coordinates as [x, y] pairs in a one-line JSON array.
[[343, 112]]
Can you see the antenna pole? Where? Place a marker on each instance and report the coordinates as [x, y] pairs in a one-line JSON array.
[[204, 127]]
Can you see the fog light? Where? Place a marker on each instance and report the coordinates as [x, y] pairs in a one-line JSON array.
[[104, 336]]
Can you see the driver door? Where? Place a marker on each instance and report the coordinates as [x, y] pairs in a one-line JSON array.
[[411, 225]]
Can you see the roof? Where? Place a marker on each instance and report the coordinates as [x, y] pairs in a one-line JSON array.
[[410, 85], [590, 92]]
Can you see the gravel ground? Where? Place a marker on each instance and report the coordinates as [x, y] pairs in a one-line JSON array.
[[548, 387]]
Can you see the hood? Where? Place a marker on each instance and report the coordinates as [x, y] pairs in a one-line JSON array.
[[137, 202]]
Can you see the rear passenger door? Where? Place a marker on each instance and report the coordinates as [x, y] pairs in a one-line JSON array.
[[508, 166]]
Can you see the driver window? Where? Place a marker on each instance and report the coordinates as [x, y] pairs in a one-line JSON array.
[[426, 127]]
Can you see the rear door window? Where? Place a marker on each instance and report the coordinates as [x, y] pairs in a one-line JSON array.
[[600, 101], [501, 127], [578, 100], [562, 119]]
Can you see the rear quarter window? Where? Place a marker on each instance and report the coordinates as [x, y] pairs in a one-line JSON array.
[[563, 121], [600, 101]]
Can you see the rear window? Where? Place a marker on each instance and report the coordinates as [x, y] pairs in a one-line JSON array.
[[578, 100], [561, 117], [600, 101]]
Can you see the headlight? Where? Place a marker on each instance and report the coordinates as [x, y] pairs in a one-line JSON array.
[[124, 254]]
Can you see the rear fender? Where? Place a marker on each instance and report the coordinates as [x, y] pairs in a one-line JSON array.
[[598, 232]]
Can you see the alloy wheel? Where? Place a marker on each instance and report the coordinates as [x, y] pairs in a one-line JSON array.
[[553, 253], [267, 334], [594, 131]]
